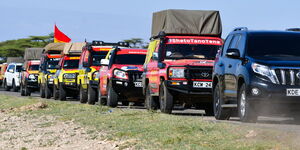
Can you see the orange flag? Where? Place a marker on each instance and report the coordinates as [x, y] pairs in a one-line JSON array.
[[60, 37]]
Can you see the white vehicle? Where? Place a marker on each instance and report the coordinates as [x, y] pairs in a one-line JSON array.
[[12, 76]]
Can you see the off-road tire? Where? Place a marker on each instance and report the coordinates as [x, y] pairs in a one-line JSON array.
[[22, 90], [92, 96], [6, 87], [219, 112], [26, 90], [112, 96], [55, 92], [14, 86], [62, 93], [151, 102], [42, 91], [101, 100], [82, 95], [246, 109], [48, 92], [165, 99]]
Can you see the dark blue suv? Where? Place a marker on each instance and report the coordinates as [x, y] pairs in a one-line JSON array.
[[257, 72]]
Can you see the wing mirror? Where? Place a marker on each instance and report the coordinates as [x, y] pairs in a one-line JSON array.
[[104, 62], [233, 53]]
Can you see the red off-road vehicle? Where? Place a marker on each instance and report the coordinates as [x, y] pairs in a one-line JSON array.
[[180, 59], [120, 77]]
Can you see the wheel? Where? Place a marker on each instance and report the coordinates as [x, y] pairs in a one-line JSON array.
[[48, 92], [165, 99], [82, 95], [55, 92], [219, 112], [151, 102], [246, 110], [101, 100], [91, 95], [125, 103], [112, 96], [42, 91], [6, 87], [27, 91], [62, 93], [14, 86], [22, 90]]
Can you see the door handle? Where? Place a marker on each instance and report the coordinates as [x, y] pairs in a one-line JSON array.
[[229, 66], [221, 64]]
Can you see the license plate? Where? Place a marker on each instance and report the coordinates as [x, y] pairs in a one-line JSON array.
[[138, 84], [292, 92], [197, 84]]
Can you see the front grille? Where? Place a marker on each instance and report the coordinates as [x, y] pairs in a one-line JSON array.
[[135, 75], [288, 76], [199, 73]]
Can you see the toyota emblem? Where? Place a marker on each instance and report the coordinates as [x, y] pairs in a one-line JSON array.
[[204, 74]]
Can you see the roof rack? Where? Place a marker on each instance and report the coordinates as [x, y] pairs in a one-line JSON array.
[[240, 29], [293, 29], [101, 43]]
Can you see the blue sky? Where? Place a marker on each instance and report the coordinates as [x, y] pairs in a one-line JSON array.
[[115, 20]]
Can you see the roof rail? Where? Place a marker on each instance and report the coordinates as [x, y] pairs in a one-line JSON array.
[[293, 29], [240, 29]]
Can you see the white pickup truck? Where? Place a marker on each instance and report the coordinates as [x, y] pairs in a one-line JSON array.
[[12, 76]]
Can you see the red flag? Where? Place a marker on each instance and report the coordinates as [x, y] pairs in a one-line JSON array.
[[60, 37]]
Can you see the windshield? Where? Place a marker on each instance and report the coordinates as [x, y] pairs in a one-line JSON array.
[[96, 59], [34, 67], [131, 59], [18, 68], [52, 63], [191, 51], [274, 47], [71, 64]]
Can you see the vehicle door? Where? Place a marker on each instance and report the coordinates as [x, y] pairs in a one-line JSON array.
[[153, 71], [230, 78], [104, 70], [9, 74]]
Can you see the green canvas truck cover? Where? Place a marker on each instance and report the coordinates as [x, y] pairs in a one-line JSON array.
[[73, 48], [33, 53], [14, 60], [176, 21], [54, 47]]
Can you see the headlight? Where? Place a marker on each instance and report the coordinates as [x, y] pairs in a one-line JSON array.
[[176, 72], [120, 74], [95, 75], [31, 76], [264, 71], [69, 75]]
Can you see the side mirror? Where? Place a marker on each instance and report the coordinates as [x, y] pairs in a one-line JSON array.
[[88, 69], [11, 70], [85, 64], [233, 53], [104, 62], [155, 56]]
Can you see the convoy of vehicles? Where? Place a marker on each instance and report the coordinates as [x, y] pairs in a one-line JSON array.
[[186, 65], [65, 78], [89, 66], [179, 64], [30, 71], [257, 70], [49, 61], [120, 76]]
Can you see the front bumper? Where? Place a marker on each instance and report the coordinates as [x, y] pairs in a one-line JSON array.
[[128, 88], [270, 93], [32, 84], [69, 83], [186, 87]]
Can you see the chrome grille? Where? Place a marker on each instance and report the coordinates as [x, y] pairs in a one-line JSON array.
[[288, 76]]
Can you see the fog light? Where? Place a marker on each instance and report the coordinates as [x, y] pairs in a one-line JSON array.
[[255, 91], [175, 83], [125, 83], [184, 83]]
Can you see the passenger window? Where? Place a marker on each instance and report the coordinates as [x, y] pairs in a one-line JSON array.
[[235, 41], [226, 44]]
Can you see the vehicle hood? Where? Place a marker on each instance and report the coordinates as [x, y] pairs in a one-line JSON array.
[[189, 62], [282, 63], [33, 72], [129, 67]]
